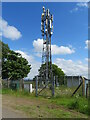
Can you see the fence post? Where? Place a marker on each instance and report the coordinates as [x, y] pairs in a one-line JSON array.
[[72, 80], [22, 84], [86, 90], [89, 89], [56, 82], [40, 82], [64, 80], [83, 87], [29, 88], [36, 86], [53, 86]]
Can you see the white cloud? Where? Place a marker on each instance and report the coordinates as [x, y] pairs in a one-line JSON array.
[[68, 66], [82, 4], [79, 6], [25, 55], [9, 31], [74, 9], [38, 45], [34, 64], [56, 50], [87, 42], [72, 68]]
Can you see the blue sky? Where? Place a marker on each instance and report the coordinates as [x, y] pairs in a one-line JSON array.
[[70, 32]]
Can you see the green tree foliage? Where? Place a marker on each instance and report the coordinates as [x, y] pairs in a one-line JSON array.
[[56, 72], [0, 57], [14, 66]]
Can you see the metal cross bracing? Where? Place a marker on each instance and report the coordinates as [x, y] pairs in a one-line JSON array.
[[47, 31]]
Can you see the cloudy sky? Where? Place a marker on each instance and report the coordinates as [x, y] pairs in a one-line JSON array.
[[21, 23]]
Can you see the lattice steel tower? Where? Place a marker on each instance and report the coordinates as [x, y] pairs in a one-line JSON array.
[[47, 31]]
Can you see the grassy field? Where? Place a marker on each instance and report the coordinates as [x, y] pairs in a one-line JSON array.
[[60, 106]]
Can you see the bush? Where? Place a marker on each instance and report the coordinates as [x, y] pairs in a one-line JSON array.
[[73, 105], [84, 109]]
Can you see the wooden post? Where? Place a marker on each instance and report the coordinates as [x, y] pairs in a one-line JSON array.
[[29, 88], [77, 89], [83, 87], [56, 82], [40, 81], [22, 84], [53, 86], [72, 80], [36, 86], [86, 90], [89, 89], [64, 80]]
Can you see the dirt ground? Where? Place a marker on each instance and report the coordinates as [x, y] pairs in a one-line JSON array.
[[16, 107], [8, 112]]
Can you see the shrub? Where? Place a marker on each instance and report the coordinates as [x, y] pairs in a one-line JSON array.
[[73, 105]]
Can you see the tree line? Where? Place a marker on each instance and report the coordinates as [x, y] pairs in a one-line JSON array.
[[15, 67]]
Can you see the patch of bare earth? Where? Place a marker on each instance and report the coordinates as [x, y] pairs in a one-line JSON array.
[[35, 108]]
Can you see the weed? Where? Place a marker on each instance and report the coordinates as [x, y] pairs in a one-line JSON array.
[[73, 105], [77, 103]]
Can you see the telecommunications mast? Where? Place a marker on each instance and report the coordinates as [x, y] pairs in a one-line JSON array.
[[47, 31]]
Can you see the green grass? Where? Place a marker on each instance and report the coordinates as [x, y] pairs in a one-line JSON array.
[[79, 104], [44, 112], [17, 93], [76, 103]]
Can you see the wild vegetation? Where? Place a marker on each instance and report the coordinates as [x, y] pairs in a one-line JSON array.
[[57, 72], [14, 66], [76, 103]]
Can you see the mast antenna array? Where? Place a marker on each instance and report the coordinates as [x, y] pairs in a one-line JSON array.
[[47, 31]]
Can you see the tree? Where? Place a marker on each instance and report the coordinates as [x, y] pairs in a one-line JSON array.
[[0, 57], [56, 72], [14, 66]]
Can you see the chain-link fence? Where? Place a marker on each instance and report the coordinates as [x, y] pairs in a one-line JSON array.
[[60, 86]]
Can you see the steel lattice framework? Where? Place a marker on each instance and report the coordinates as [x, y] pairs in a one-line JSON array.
[[47, 31]]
